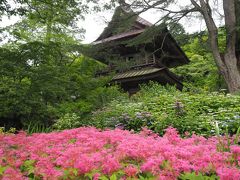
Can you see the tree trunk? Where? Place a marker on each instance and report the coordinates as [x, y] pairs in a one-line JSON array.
[[48, 32], [237, 13], [231, 72], [227, 64]]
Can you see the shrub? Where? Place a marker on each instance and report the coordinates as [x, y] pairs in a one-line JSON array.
[[77, 114], [141, 119], [186, 111], [3, 130], [87, 153], [68, 121]]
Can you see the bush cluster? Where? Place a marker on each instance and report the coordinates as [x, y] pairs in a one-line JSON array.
[[158, 107]]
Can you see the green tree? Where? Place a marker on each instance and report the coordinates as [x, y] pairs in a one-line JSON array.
[[6, 8], [50, 20], [40, 71], [39, 82], [30, 84]]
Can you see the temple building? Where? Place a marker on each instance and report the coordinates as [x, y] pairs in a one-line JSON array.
[[138, 51]]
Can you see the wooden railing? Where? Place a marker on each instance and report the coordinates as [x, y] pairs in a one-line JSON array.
[[142, 66], [113, 68]]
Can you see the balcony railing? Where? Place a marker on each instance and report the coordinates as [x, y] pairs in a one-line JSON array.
[[112, 68]]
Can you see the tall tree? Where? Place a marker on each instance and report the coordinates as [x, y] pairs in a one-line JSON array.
[[7, 8], [41, 69], [227, 62], [50, 20]]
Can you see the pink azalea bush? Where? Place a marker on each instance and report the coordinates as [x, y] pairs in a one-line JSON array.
[[88, 153]]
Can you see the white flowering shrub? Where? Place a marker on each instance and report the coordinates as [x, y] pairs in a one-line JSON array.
[[68, 121]]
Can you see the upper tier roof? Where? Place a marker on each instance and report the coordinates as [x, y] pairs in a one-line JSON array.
[[127, 25], [122, 21]]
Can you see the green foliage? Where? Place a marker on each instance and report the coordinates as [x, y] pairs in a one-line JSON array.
[[2, 170], [202, 72], [68, 121], [77, 114], [45, 79], [136, 122], [37, 127], [50, 20], [10, 131], [28, 166], [41, 82], [9, 8], [157, 108], [178, 32], [198, 176], [42, 68]]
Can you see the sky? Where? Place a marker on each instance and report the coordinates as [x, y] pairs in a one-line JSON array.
[[96, 22]]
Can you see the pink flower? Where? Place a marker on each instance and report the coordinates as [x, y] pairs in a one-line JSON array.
[[96, 176], [228, 173], [84, 164], [88, 150], [12, 174], [235, 149], [110, 165], [131, 171], [172, 135], [152, 165]]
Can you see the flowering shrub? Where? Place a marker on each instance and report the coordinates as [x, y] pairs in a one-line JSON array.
[[186, 111], [87, 153], [141, 119], [68, 121]]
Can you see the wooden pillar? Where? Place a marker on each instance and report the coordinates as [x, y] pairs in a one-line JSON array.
[[154, 58], [146, 57]]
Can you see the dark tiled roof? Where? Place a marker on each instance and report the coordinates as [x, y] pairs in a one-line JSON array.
[[119, 36], [115, 23], [136, 73], [125, 34]]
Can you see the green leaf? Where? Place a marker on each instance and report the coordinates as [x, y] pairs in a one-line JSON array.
[[103, 178], [2, 169], [113, 177]]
